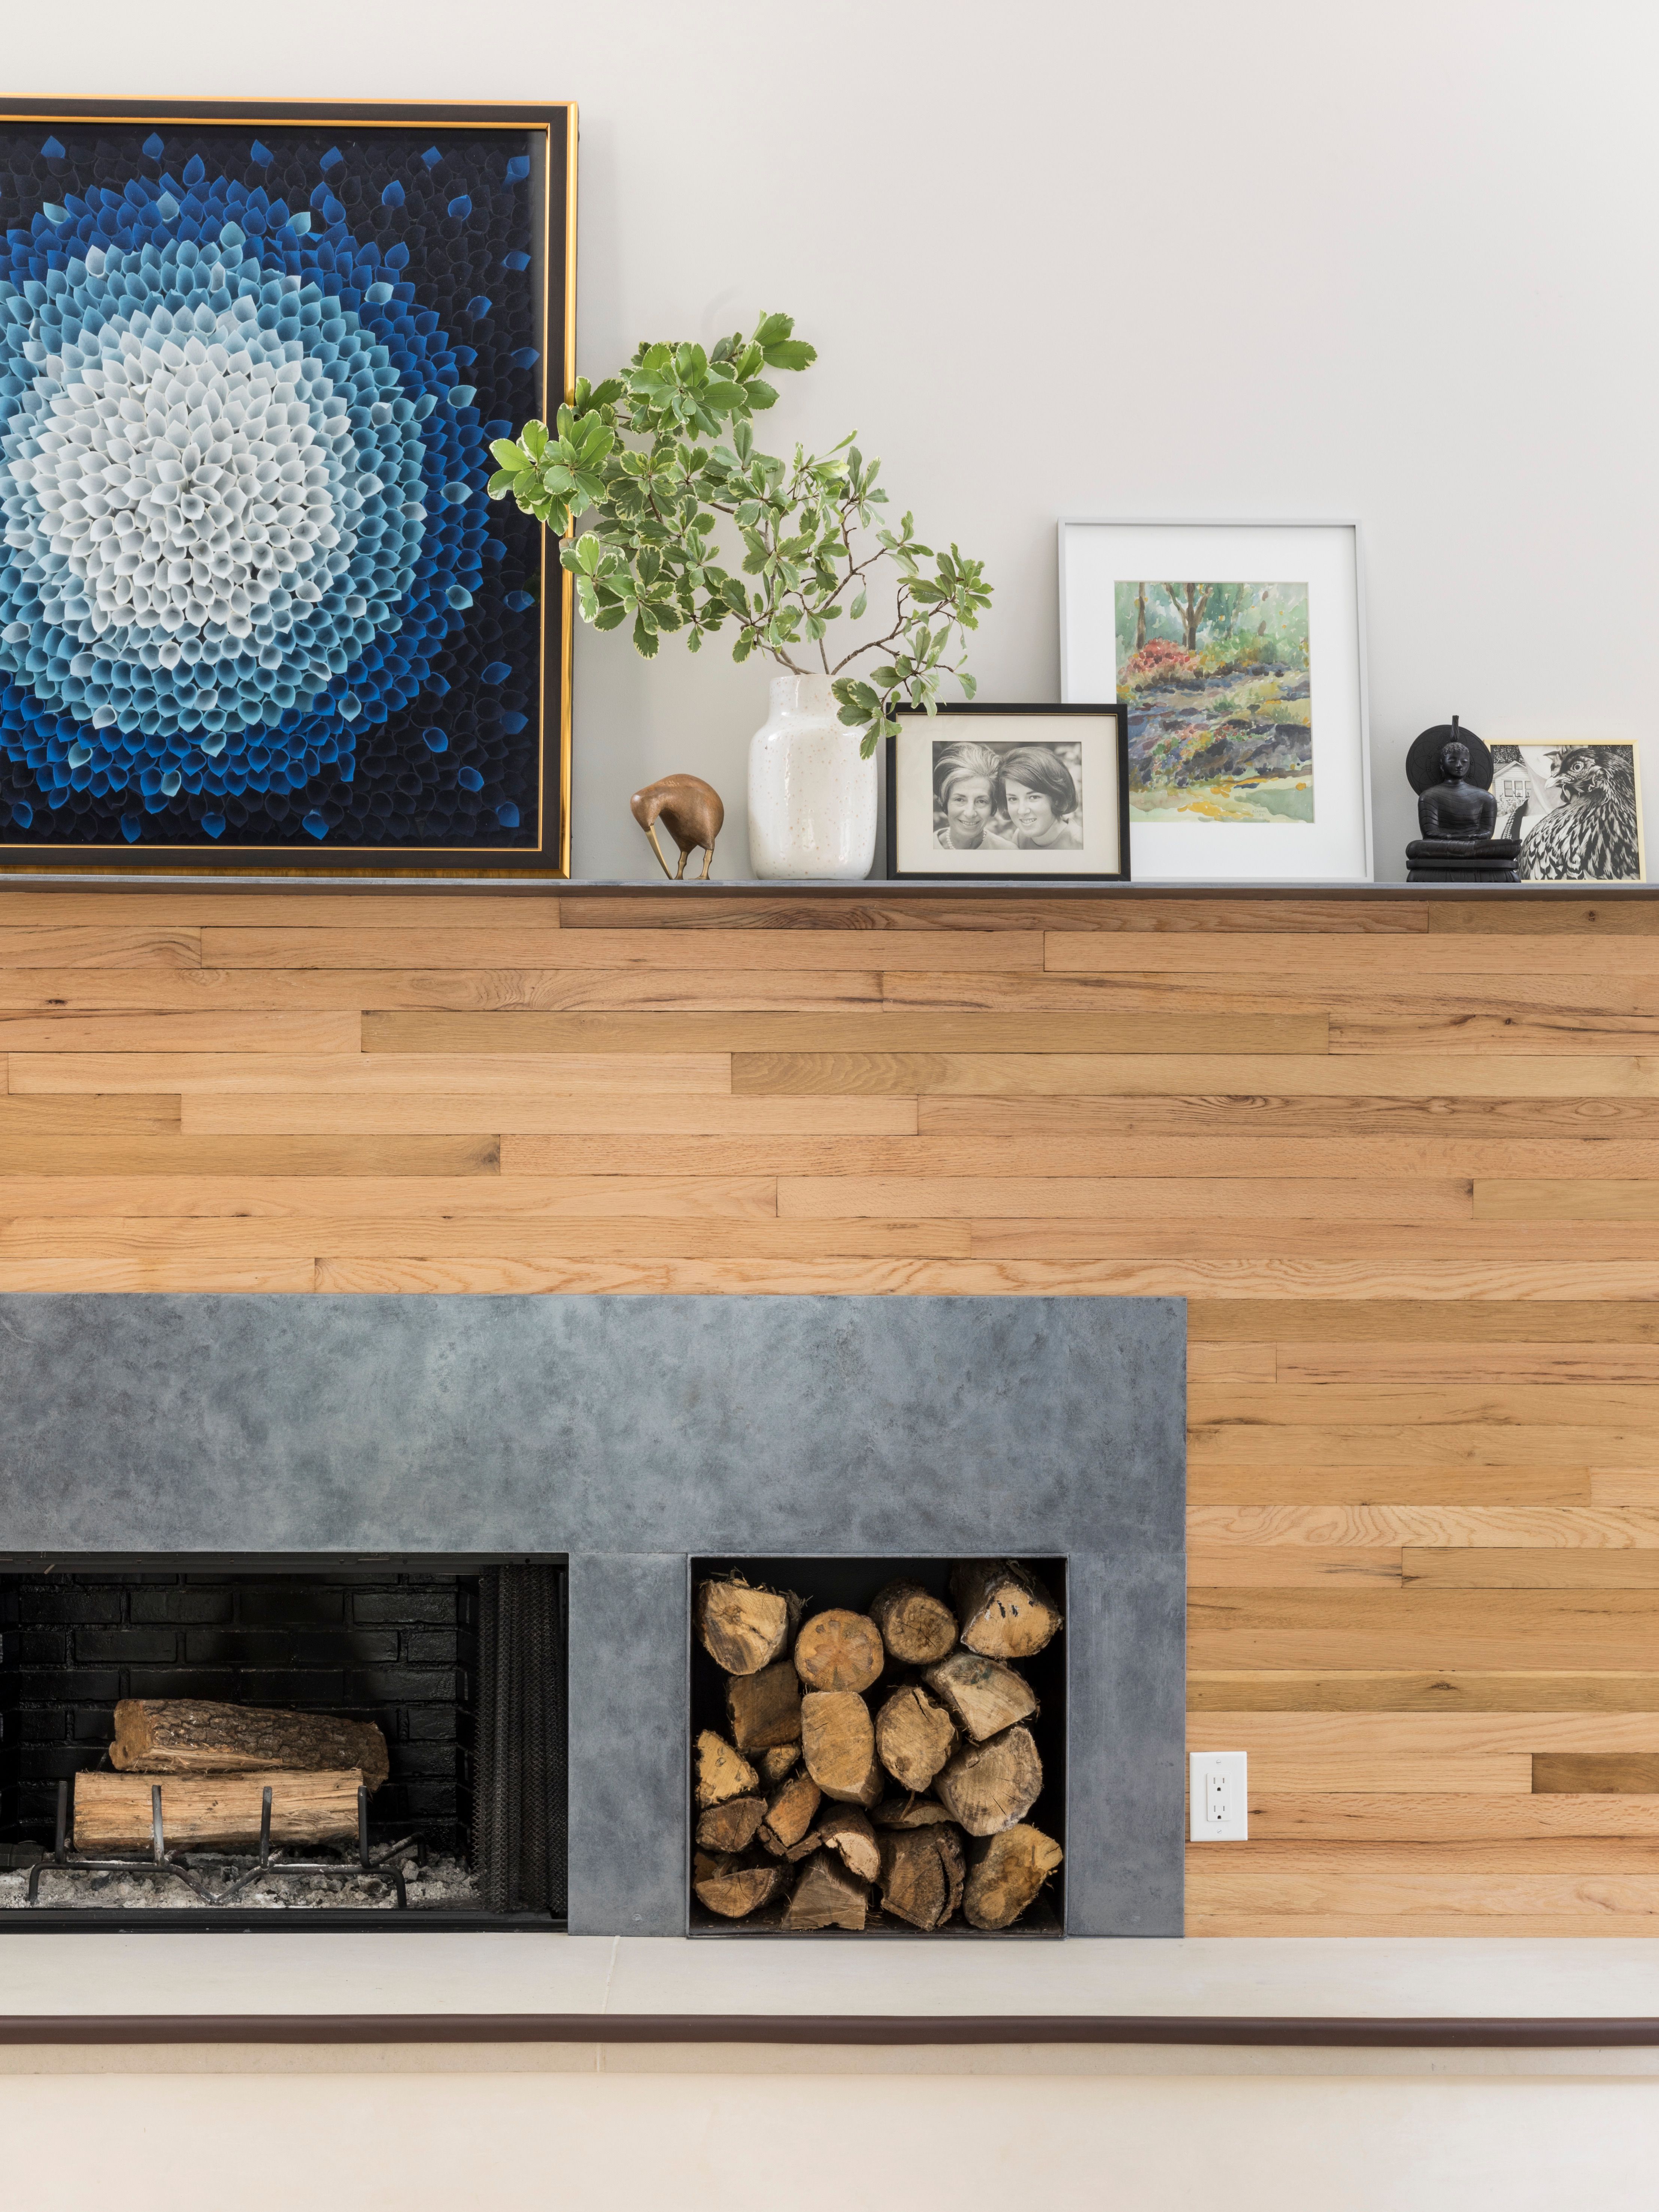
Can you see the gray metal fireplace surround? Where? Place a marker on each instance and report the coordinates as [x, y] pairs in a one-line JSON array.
[[630, 1434]]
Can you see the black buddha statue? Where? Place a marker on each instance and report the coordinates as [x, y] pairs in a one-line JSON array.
[[1450, 771]]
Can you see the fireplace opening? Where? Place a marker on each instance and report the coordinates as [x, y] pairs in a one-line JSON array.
[[878, 1746], [382, 1739]]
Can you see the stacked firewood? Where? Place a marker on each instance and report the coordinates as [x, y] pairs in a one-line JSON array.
[[882, 1760]]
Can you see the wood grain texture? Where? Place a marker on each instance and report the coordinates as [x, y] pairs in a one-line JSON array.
[[1406, 1173]]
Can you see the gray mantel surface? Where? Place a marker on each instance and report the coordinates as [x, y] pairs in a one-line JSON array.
[[631, 1433]]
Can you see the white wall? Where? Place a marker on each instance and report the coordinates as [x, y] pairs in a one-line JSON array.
[[1254, 257]]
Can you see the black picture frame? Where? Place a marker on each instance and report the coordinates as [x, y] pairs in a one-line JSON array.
[[507, 332], [989, 711]]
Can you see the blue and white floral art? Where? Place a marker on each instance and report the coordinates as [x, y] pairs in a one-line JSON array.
[[241, 475]]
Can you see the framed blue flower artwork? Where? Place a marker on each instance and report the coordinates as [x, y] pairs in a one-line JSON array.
[[256, 612]]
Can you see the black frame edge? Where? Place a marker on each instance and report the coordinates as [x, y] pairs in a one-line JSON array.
[[1118, 713]]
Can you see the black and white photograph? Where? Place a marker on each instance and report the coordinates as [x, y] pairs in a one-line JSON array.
[[1577, 810], [1010, 791]]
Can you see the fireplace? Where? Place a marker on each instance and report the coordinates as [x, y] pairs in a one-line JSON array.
[[466, 1829], [244, 1494]]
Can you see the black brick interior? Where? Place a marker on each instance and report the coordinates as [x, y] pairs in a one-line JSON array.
[[397, 1648]]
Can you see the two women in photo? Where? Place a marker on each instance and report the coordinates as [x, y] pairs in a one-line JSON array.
[[1021, 798]]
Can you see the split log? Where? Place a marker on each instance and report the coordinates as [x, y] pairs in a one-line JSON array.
[[214, 1811], [915, 1736], [839, 1650], [921, 1875], [765, 1709], [721, 1771], [789, 1814], [1007, 1614], [838, 1741], [742, 1629], [827, 1896], [987, 1787], [733, 1887], [984, 1696], [731, 1827], [189, 1735], [775, 1764], [1007, 1872], [916, 1627], [909, 1812], [844, 1829]]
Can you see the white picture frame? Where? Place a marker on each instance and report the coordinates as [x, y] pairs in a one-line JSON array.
[[1240, 796]]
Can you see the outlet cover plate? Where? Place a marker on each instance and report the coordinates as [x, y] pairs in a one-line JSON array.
[[1220, 1797]]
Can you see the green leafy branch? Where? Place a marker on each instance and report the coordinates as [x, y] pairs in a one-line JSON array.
[[661, 460]]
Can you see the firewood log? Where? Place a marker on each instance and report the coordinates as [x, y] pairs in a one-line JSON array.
[[765, 1709], [915, 1736], [789, 1814], [916, 1627], [987, 1787], [208, 1811], [775, 1763], [839, 1650], [984, 1696], [827, 1896], [1007, 1873], [721, 1771], [1005, 1612], [731, 1827], [909, 1812], [733, 1887], [742, 1629], [845, 1830], [921, 1875], [838, 1741], [189, 1735]]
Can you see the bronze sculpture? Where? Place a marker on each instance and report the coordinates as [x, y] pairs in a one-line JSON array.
[[1451, 772], [692, 812]]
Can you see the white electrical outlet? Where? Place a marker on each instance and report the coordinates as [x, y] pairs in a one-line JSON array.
[[1221, 1796]]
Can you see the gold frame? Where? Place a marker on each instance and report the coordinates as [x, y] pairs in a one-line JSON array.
[[383, 115]]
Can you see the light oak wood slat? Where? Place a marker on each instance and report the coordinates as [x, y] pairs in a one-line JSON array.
[[1611, 1774], [1368, 1773], [1406, 1321], [299, 905], [1616, 1927], [546, 1113], [1424, 1736], [83, 1273], [358, 1075], [1345, 1816], [460, 990], [626, 1153], [1248, 1566], [1279, 1528], [1363, 1626], [1600, 919], [983, 1064], [1557, 1002], [1407, 1483], [1592, 1199], [1232, 1362], [1361, 1032], [1029, 1041], [1577, 1691], [1314, 1880], [142, 1113], [1473, 1443], [98, 945], [507, 946], [1246, 1234], [1138, 916], [1533, 1568], [74, 1156], [1350, 962], [516, 1200], [1124, 1198], [294, 1033], [486, 1276], [1429, 1405], [1494, 1364], [670, 1236], [1612, 1487], [1583, 1127]]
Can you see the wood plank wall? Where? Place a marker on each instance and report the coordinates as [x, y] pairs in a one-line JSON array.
[[1402, 1157]]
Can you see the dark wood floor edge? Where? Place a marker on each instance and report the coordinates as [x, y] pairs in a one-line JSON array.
[[24, 2032]]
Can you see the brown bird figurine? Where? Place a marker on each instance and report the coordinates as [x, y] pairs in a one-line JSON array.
[[692, 812]]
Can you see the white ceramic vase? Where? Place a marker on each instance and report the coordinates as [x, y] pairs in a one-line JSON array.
[[811, 800]]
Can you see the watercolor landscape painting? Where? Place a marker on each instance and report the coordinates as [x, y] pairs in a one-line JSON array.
[[1217, 681]]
